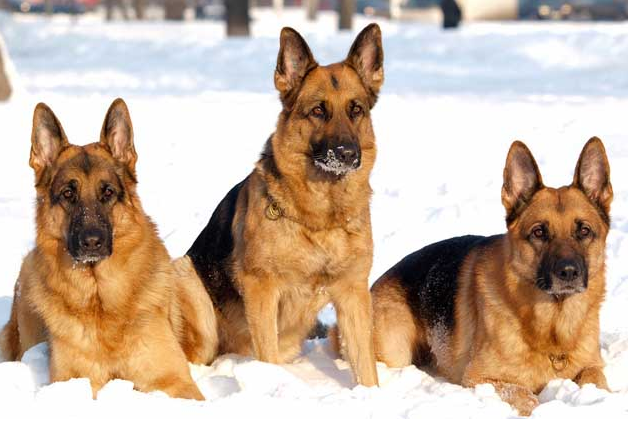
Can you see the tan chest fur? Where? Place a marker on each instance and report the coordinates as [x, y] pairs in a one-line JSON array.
[[517, 336], [302, 255], [90, 310]]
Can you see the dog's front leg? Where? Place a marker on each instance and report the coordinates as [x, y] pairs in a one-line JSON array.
[[519, 397], [354, 309], [261, 305], [592, 375], [67, 362]]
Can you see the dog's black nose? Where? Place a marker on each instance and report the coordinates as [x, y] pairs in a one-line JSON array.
[[567, 270], [348, 153], [91, 240]]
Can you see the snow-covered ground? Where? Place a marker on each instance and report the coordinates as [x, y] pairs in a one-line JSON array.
[[451, 105]]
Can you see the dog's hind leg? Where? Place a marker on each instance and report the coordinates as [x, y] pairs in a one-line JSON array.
[[398, 337], [24, 330], [10, 336], [193, 316]]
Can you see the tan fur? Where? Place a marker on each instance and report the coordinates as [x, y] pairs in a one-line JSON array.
[[508, 332], [286, 268], [112, 319]]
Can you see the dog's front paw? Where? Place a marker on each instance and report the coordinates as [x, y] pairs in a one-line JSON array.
[[520, 398]]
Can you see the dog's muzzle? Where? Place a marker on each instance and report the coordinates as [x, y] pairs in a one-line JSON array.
[[339, 160], [565, 277]]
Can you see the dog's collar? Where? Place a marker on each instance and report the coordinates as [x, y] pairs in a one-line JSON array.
[[273, 210], [559, 361]]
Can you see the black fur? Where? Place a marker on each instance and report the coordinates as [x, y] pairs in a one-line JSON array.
[[212, 249], [430, 277]]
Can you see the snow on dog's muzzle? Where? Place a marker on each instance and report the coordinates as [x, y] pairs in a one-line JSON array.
[[339, 159]]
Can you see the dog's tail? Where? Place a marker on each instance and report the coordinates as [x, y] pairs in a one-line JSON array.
[[330, 332], [10, 335]]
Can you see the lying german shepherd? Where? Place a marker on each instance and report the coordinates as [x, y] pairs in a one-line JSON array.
[[296, 233], [99, 284], [513, 310]]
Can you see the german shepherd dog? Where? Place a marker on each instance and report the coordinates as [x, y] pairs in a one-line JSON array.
[[99, 285], [513, 310], [296, 233]]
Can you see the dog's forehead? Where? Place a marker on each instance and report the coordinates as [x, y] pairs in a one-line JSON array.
[[336, 79], [85, 161], [560, 207]]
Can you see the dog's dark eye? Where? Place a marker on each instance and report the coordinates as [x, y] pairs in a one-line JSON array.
[[539, 232], [356, 110], [584, 232], [107, 193], [68, 194], [318, 112]]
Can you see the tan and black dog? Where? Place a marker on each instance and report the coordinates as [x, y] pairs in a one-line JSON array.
[[296, 233], [99, 285], [513, 310]]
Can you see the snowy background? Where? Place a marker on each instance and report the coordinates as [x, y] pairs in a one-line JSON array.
[[450, 107]]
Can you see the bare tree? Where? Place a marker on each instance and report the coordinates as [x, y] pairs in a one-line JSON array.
[[111, 4], [347, 9], [174, 9], [237, 12], [140, 9], [311, 9], [5, 85]]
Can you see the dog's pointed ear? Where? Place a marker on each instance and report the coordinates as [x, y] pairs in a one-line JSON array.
[[522, 180], [593, 175], [366, 56], [117, 134], [294, 61], [47, 140]]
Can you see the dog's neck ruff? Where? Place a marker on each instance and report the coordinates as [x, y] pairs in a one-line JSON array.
[[274, 211]]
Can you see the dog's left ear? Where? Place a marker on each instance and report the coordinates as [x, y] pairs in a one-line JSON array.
[[117, 134], [593, 175], [366, 56]]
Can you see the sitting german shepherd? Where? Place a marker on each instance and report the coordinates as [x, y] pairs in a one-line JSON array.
[[513, 310], [99, 285], [296, 233]]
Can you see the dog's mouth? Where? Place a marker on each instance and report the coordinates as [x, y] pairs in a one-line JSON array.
[[89, 259], [328, 162], [560, 290], [561, 293]]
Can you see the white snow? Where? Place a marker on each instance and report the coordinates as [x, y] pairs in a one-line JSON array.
[[203, 106]]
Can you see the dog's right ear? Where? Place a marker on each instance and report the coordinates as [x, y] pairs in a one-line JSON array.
[[47, 140], [294, 61], [117, 134], [522, 180]]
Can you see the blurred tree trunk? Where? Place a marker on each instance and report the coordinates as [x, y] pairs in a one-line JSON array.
[[278, 5], [140, 9], [312, 9], [110, 4], [109, 9], [174, 9], [5, 86], [347, 9], [237, 12], [48, 6]]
